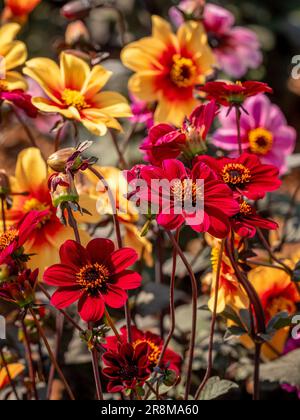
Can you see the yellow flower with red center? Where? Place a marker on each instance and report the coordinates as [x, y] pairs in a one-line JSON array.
[[14, 369], [127, 213], [31, 177], [13, 54], [18, 10], [73, 90], [168, 67]]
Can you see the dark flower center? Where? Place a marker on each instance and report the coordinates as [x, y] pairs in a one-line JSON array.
[[127, 373], [93, 278], [183, 72], [261, 141], [236, 174]]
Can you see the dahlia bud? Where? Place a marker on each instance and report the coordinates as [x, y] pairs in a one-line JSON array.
[[58, 160], [4, 184], [76, 32], [78, 9], [63, 189], [170, 378]]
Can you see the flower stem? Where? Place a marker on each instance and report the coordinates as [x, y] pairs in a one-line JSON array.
[[122, 161], [238, 126], [213, 323], [59, 333], [118, 237], [3, 214], [95, 363], [58, 137], [112, 325], [51, 355], [29, 359], [73, 224], [11, 381], [256, 392], [25, 127], [194, 312]]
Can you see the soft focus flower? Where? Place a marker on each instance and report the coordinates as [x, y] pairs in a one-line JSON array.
[[15, 369], [18, 10], [278, 294], [179, 200], [21, 100], [171, 360], [230, 292], [247, 221], [20, 289], [191, 9], [264, 132], [168, 67], [73, 90], [127, 368], [237, 48], [245, 175], [95, 276], [143, 113], [14, 238], [31, 177], [13, 54], [233, 94], [168, 142]]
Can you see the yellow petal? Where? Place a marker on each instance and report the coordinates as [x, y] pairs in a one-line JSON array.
[[88, 203], [15, 369], [8, 33], [144, 55], [47, 74], [174, 112], [98, 122], [74, 71], [47, 105], [15, 54], [97, 79], [15, 80], [275, 347], [31, 170], [113, 104], [142, 85], [162, 30]]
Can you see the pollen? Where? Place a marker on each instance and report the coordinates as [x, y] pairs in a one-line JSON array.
[[245, 209], [93, 278], [183, 72], [236, 174], [8, 238], [155, 350], [261, 141], [187, 192], [74, 98]]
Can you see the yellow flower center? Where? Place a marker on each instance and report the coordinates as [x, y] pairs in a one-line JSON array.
[[236, 174], [245, 209], [155, 350], [35, 204], [280, 304], [261, 141], [93, 278], [183, 72], [7, 238], [74, 98]]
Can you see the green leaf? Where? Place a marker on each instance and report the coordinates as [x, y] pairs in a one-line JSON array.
[[234, 332], [229, 313], [216, 388], [281, 320]]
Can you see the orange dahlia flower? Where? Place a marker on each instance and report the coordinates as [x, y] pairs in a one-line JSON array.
[[73, 90], [168, 67]]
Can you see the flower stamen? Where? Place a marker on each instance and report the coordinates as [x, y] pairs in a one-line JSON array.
[[93, 278], [261, 141], [74, 98], [183, 71], [8, 238], [236, 174]]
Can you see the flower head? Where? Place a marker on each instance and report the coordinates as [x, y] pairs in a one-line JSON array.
[[195, 197], [142, 112], [20, 289], [171, 360], [127, 367], [73, 91], [95, 276], [18, 10], [167, 142], [264, 132], [168, 67], [245, 175], [233, 94]]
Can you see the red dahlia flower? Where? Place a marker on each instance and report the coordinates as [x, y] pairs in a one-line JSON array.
[[197, 197], [167, 142], [13, 239], [128, 367], [246, 174], [21, 289], [171, 360], [247, 221], [230, 94], [95, 276]]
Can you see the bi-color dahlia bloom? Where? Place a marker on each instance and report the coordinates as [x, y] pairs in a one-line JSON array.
[[264, 132], [245, 175], [171, 360], [127, 367], [168, 142], [177, 200], [168, 67], [73, 91], [96, 276]]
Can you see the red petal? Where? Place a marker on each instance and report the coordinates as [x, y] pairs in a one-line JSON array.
[[115, 297], [122, 259], [91, 309], [127, 280], [65, 297], [59, 275], [100, 249], [73, 253]]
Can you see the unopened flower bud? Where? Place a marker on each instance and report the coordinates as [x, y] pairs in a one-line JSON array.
[[77, 9], [170, 378], [76, 32], [65, 190], [58, 160]]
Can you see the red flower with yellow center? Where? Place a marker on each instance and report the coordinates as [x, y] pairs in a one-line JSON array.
[[246, 175], [168, 68], [31, 177], [95, 276], [171, 359]]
